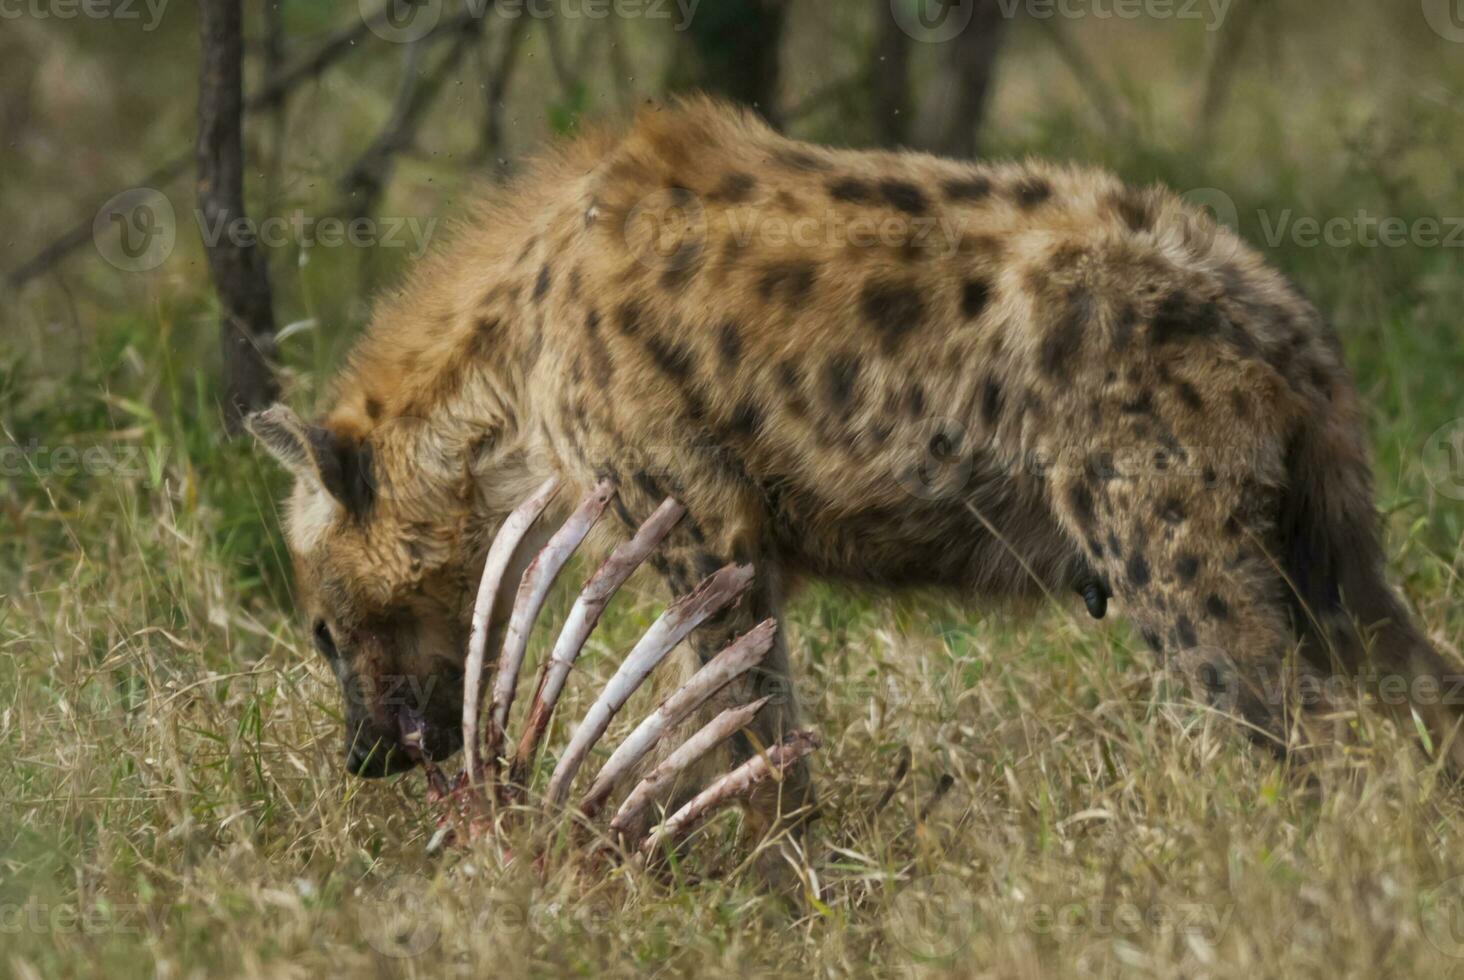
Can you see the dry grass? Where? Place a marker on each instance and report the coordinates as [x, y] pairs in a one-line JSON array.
[[174, 803], [171, 799]]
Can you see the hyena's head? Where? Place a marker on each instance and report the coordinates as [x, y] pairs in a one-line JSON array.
[[382, 577]]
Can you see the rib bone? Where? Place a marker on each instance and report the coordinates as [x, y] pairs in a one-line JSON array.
[[661, 778], [583, 617], [500, 553], [738, 782], [734, 661], [533, 589], [679, 619]]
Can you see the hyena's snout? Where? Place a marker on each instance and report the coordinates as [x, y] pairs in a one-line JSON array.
[[376, 705]]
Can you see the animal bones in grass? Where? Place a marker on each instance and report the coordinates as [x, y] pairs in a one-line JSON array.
[[472, 799]]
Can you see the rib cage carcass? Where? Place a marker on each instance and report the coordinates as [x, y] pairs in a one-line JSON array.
[[473, 800]]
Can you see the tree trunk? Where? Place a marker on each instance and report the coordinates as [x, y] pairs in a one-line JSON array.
[[732, 50], [236, 264], [953, 111], [889, 79]]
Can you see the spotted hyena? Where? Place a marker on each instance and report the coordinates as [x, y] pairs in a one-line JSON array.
[[1000, 380]]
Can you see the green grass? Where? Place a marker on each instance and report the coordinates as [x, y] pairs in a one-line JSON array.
[[171, 797]]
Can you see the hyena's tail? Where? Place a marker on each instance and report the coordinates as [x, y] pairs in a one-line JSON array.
[[1352, 620]]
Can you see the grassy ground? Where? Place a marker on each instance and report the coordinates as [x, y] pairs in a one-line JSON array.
[[171, 799]]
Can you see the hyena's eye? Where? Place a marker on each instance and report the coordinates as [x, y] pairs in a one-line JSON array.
[[324, 642]]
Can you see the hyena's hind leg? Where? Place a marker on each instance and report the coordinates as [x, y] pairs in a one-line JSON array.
[[1184, 557]]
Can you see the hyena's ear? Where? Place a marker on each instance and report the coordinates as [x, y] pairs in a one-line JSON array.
[[341, 466], [280, 431]]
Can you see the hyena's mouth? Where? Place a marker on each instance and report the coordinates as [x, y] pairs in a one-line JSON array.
[[440, 740]]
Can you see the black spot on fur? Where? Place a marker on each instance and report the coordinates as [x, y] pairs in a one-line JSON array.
[[1115, 550], [991, 400], [915, 400], [893, 309], [1190, 396], [791, 282], [746, 419], [904, 196], [841, 378], [734, 188], [682, 267], [592, 321], [1133, 208], [789, 376], [974, 296], [648, 486], [706, 563], [1138, 570], [629, 317], [485, 337], [1080, 498], [1142, 404], [673, 358], [1186, 631], [795, 159], [1217, 607], [851, 190], [1064, 339], [1151, 639], [967, 189], [1182, 317], [1172, 511], [1031, 191], [373, 409], [541, 286], [1187, 566], [729, 343]]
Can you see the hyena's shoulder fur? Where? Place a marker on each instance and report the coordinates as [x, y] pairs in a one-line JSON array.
[[1000, 378]]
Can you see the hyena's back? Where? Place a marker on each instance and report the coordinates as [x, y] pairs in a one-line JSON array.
[[908, 370]]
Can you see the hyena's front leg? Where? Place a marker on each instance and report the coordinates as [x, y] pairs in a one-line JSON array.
[[724, 525]]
